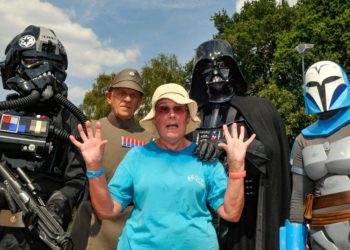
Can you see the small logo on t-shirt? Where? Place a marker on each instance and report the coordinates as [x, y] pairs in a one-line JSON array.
[[196, 178]]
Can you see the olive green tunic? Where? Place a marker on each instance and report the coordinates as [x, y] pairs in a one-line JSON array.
[[103, 235]]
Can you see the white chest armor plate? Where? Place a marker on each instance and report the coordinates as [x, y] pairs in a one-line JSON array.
[[327, 158]]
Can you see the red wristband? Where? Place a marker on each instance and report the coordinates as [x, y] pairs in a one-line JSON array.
[[237, 175]]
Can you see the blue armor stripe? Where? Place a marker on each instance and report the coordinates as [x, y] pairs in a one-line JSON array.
[[297, 170]]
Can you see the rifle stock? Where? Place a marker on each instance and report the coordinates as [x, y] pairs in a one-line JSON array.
[[48, 229]]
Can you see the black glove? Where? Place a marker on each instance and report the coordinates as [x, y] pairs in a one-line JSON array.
[[6, 201], [257, 156], [59, 207], [30, 221], [208, 150]]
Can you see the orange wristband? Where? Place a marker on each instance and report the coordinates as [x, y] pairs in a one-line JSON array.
[[237, 175]]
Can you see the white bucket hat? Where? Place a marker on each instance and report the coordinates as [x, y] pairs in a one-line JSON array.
[[178, 94]]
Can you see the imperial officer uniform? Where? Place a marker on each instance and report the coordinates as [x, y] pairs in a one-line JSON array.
[[122, 134]]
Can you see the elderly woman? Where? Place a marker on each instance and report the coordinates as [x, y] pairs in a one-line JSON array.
[[170, 188]]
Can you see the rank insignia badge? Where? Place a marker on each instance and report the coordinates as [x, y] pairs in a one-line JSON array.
[[129, 142]]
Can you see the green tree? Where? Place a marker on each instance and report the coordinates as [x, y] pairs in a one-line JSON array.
[[94, 104], [252, 34], [159, 70], [264, 36], [289, 108], [322, 23]]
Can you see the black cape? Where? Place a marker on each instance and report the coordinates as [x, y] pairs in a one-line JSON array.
[[275, 184]]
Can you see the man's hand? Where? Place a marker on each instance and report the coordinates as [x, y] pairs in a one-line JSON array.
[[208, 150], [59, 208]]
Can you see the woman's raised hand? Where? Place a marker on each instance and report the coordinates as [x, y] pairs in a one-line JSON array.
[[236, 147], [92, 146]]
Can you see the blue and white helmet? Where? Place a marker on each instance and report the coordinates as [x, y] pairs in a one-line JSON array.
[[326, 87]]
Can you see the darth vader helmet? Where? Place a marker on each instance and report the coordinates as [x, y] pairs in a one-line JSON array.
[[216, 76], [35, 59], [326, 88]]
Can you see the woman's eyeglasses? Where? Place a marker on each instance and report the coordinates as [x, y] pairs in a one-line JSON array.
[[164, 110]]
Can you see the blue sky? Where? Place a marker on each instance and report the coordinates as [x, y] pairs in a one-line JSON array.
[[152, 27], [104, 36]]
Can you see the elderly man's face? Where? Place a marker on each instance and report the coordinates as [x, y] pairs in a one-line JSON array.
[[171, 120], [124, 101]]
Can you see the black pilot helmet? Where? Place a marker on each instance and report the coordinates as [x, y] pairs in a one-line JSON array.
[[35, 59], [216, 76]]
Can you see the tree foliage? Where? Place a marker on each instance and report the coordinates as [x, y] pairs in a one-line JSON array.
[[94, 104], [264, 36]]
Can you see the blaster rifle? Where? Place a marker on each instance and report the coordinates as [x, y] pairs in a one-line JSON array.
[[48, 229]]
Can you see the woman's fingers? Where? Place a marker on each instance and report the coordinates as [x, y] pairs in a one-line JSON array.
[[250, 140], [81, 132], [241, 133], [226, 133], [230, 139], [98, 130], [102, 145], [89, 129], [74, 141], [234, 131]]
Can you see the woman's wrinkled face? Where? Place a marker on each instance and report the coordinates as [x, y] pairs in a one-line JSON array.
[[171, 119]]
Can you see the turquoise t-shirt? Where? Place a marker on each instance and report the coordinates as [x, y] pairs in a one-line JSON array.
[[170, 191]]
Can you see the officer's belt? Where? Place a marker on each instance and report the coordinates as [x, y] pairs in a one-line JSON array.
[[327, 209], [9, 219]]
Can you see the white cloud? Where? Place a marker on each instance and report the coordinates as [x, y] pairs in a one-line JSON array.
[[76, 93], [87, 54], [240, 3]]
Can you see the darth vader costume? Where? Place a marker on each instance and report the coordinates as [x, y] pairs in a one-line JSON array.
[[218, 87], [35, 123]]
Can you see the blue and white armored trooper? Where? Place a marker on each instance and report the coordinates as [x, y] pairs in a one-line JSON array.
[[320, 160]]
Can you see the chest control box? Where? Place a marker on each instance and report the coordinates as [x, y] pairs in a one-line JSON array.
[[24, 134]]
